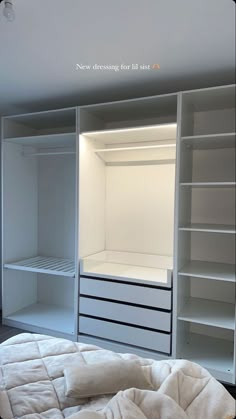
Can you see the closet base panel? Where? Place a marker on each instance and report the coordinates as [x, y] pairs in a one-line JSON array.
[[121, 348], [44, 318], [214, 354]]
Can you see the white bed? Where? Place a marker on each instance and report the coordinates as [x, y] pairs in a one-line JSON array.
[[32, 385]]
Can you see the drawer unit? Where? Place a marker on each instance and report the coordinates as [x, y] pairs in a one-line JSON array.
[[148, 318], [160, 342], [122, 292]]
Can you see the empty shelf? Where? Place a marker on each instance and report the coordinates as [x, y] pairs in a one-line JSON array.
[[47, 265], [209, 270], [143, 268], [209, 228], [210, 141], [46, 140], [209, 312], [209, 184], [52, 317], [134, 135], [212, 353]]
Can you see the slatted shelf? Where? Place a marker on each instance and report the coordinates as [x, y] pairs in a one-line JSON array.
[[47, 265]]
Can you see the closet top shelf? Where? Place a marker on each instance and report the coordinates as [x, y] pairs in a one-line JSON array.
[[45, 141], [136, 135]]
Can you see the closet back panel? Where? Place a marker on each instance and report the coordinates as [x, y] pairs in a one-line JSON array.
[[56, 211], [140, 208], [55, 290], [214, 121], [20, 204], [213, 247], [19, 290]]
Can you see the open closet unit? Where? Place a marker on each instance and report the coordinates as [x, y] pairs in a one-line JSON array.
[[118, 226], [126, 223], [205, 231], [39, 219]]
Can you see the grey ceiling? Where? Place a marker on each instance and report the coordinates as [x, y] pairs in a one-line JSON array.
[[193, 41]]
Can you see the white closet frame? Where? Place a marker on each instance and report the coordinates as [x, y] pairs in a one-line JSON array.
[[50, 139], [200, 271]]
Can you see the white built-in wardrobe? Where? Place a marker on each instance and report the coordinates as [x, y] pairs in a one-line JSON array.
[[118, 225]]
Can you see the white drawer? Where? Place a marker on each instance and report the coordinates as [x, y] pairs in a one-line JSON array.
[[127, 314], [135, 294], [147, 339]]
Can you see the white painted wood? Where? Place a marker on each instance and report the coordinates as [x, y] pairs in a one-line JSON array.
[[211, 270], [216, 355], [131, 112], [209, 111], [40, 330], [121, 348], [56, 290], [208, 184], [45, 141], [205, 277], [49, 153], [147, 339], [52, 266], [222, 291], [210, 141], [56, 206], [143, 268], [40, 219], [135, 294], [138, 316], [136, 226], [162, 133], [209, 228], [208, 312], [48, 316], [39, 122], [217, 247], [92, 195]]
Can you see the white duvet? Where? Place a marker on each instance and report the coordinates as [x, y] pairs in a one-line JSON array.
[[32, 385]]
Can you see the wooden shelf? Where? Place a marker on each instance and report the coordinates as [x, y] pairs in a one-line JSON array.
[[209, 228], [162, 132], [210, 141], [209, 184], [209, 270], [214, 354], [52, 317], [46, 265], [208, 312], [45, 141]]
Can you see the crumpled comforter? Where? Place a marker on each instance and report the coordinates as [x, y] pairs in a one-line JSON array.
[[32, 385]]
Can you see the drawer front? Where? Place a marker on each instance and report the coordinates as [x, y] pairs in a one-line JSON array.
[[147, 339], [127, 314], [135, 294]]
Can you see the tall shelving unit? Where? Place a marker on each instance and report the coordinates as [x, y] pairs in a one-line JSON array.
[[205, 231], [39, 219], [126, 224]]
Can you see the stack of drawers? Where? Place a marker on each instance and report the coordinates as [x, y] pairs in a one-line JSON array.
[[130, 313]]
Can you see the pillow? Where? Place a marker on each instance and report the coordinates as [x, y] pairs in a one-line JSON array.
[[104, 378]]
